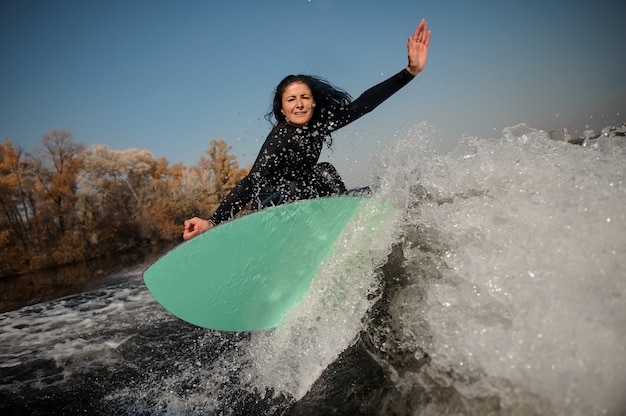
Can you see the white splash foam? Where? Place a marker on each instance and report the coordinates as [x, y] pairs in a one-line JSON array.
[[328, 319], [531, 303]]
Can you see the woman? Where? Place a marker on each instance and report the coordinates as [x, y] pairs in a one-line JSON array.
[[307, 110]]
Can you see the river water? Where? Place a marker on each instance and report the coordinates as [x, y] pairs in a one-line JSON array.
[[498, 287]]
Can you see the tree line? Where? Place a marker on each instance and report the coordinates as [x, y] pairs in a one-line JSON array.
[[63, 202]]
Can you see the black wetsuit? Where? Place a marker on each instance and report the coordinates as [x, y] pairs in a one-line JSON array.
[[287, 162]]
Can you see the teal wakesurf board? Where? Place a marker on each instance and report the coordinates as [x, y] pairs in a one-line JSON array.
[[244, 275]]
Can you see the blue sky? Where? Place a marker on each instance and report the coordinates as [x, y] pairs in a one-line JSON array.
[[170, 76]]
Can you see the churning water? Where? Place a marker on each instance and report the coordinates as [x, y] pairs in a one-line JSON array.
[[496, 286]]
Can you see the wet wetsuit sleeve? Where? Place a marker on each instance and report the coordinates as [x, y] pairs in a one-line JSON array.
[[235, 200], [372, 98], [265, 168]]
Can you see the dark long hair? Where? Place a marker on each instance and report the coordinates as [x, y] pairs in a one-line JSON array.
[[326, 96]]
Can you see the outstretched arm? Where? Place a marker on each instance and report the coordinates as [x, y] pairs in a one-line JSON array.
[[417, 52], [417, 48]]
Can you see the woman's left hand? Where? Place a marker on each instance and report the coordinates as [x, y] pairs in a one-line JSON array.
[[417, 48]]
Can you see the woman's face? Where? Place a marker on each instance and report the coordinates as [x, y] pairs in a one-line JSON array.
[[297, 103]]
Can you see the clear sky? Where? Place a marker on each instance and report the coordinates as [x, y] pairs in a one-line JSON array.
[[170, 76]]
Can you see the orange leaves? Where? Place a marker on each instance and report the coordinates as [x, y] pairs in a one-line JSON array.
[[65, 202]]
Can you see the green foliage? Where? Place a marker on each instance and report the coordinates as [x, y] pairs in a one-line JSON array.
[[65, 203]]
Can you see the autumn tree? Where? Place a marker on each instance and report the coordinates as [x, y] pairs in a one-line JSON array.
[[223, 168], [57, 169], [38, 196], [64, 202], [58, 174], [16, 205], [160, 215], [106, 201], [197, 196]]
